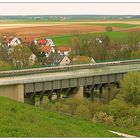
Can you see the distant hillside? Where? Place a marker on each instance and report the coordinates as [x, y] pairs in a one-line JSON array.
[[70, 17], [22, 120]]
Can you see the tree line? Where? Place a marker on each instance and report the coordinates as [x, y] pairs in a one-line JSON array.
[[102, 47]]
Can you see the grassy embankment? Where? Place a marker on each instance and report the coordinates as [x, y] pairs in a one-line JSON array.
[[22, 120]]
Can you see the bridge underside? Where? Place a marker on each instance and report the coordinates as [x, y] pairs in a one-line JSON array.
[[70, 86], [27, 92]]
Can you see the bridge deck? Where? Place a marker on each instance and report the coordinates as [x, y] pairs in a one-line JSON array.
[[69, 74]]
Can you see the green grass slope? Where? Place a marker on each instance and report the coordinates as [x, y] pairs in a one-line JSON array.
[[23, 120]]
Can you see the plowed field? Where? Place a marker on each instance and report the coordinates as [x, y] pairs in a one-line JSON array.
[[33, 31]]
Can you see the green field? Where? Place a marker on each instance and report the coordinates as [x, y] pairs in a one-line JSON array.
[[61, 40], [65, 39], [121, 25]]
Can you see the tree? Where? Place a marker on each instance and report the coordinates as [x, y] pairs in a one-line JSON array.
[[20, 55], [3, 51], [40, 56], [90, 45], [135, 54], [4, 66], [109, 29], [131, 88], [133, 41], [118, 108]]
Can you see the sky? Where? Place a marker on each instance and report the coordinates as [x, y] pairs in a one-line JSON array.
[[69, 8]]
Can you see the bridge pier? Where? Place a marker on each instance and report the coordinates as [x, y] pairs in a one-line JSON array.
[[50, 96], [108, 88], [92, 94], [77, 92], [58, 95], [89, 92], [100, 92], [29, 100], [118, 85]]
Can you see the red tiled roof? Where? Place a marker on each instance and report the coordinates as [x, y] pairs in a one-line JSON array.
[[27, 39], [63, 49], [46, 48], [41, 42], [8, 39]]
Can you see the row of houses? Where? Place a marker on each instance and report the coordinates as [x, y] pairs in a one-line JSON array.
[[54, 55]]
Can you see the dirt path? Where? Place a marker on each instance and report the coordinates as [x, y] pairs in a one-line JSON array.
[[122, 134]]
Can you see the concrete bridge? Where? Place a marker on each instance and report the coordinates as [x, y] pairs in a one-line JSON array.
[[24, 88]]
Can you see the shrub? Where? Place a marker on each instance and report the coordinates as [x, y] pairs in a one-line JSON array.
[[126, 122], [102, 117], [5, 66], [108, 29], [131, 88], [118, 108], [73, 103], [97, 107], [56, 107], [83, 111], [65, 108], [137, 113]]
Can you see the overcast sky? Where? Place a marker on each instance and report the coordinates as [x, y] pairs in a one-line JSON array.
[[69, 8]]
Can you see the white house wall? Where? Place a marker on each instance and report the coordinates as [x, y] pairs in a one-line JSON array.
[[65, 61]]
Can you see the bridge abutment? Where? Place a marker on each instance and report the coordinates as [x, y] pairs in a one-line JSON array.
[[15, 92]]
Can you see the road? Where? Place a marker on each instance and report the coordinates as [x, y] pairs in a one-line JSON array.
[[68, 74]]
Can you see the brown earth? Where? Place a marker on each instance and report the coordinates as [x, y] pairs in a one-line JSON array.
[[33, 31], [134, 29]]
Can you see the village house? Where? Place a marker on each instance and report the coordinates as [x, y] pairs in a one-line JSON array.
[[57, 59], [13, 42], [82, 60], [63, 50], [32, 59], [50, 42], [47, 50], [44, 42]]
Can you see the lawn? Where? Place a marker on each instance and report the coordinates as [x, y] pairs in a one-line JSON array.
[[23, 120], [65, 39]]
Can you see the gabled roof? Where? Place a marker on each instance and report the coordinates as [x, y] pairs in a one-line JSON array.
[[8, 39], [41, 42], [46, 48], [63, 49], [55, 58]]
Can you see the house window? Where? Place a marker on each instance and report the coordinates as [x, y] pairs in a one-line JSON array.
[[16, 41]]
